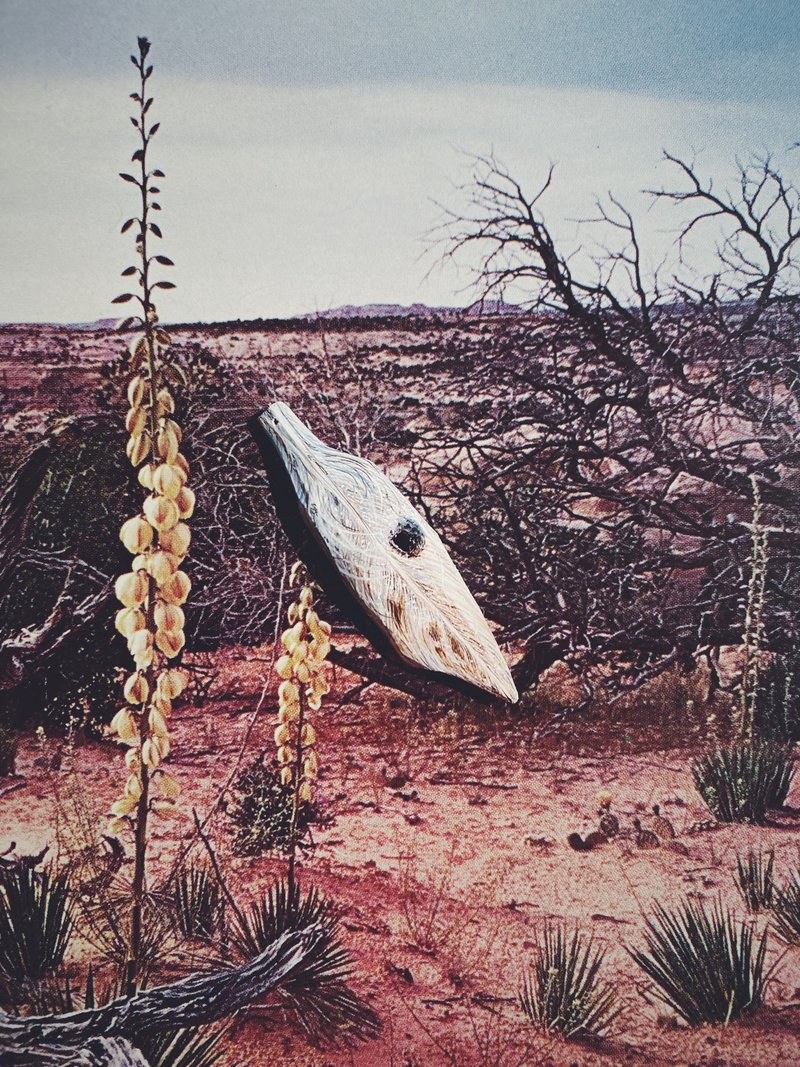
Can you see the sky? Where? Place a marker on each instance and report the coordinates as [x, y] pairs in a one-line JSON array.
[[309, 146]]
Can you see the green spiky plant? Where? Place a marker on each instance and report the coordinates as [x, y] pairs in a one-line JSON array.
[[742, 782], [707, 965], [197, 902], [318, 992], [562, 991], [754, 878], [36, 922], [786, 911]]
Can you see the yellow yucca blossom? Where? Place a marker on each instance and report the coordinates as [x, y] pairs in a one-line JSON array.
[[128, 620], [136, 388], [176, 589], [161, 512], [176, 540], [185, 502], [301, 669], [136, 535], [136, 421], [170, 643], [168, 480], [171, 684], [131, 589], [136, 688]]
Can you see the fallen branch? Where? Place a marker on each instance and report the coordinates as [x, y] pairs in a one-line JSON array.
[[194, 1001], [98, 1052]]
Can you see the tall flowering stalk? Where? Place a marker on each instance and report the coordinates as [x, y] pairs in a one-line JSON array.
[[152, 592], [302, 669], [753, 620]]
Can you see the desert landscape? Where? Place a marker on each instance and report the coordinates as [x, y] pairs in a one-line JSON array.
[[442, 825], [398, 684]]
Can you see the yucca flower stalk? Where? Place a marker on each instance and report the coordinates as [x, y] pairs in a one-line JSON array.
[[152, 592], [753, 620], [303, 685]]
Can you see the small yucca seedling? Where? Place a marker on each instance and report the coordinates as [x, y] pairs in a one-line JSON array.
[[786, 911], [743, 782], [197, 902], [754, 879], [707, 965], [35, 924], [325, 1006], [562, 991]]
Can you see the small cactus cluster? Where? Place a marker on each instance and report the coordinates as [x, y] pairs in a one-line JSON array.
[[152, 592], [301, 669]]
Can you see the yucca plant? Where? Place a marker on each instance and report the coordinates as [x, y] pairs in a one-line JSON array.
[[153, 591], [197, 902], [742, 782], [754, 879], [707, 965], [307, 642], [323, 1003], [562, 991], [786, 911], [190, 1047], [35, 924]]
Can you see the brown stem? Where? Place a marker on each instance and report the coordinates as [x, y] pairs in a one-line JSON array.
[[298, 771], [139, 887]]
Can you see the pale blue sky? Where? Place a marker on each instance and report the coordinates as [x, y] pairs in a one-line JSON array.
[[305, 142]]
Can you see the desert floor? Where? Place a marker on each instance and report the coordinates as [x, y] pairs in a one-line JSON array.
[[444, 843]]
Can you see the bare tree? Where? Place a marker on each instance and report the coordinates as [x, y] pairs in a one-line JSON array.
[[600, 497]]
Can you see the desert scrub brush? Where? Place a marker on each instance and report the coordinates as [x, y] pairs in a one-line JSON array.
[[153, 591]]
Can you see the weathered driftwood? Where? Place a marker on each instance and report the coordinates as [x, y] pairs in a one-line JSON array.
[[194, 1001], [389, 558], [97, 1052]]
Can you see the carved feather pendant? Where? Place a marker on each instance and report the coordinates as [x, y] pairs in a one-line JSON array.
[[389, 559]]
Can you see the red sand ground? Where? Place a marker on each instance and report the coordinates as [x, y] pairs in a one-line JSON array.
[[482, 823]]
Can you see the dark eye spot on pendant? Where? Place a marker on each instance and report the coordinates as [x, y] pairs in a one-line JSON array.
[[408, 537]]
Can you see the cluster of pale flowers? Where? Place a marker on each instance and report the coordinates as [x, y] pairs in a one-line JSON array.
[[152, 592], [301, 669]]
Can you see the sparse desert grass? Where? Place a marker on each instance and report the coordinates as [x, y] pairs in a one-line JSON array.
[[442, 918]]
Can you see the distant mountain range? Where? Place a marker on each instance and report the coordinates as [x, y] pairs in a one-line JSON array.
[[478, 309], [418, 311]]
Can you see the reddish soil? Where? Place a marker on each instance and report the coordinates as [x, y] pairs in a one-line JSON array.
[[481, 824]]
